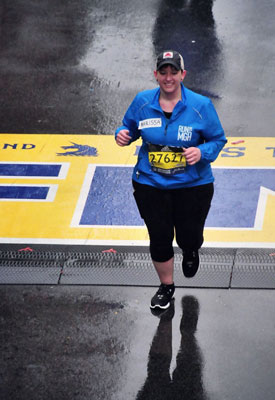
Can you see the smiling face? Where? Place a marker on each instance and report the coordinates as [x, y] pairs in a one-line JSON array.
[[169, 79]]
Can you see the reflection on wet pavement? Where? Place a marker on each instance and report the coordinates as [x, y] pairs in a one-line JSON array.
[[96, 342], [186, 381]]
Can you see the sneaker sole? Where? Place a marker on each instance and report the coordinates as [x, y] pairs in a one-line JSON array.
[[190, 273], [161, 307]]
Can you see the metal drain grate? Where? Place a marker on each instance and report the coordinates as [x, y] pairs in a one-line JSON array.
[[219, 268], [136, 269], [254, 268], [106, 273], [29, 272]]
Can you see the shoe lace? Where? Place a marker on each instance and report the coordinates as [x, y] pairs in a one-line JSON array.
[[163, 290]]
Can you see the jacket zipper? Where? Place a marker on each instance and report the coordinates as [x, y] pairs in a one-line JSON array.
[[165, 129], [166, 126]]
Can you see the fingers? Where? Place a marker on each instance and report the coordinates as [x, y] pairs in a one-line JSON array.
[[123, 138], [192, 155]]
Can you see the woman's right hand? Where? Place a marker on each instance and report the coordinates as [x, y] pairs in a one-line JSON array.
[[123, 138]]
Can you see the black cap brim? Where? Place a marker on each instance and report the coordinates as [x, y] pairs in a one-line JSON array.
[[168, 62]]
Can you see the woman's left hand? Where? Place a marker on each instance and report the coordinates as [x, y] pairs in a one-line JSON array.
[[192, 155]]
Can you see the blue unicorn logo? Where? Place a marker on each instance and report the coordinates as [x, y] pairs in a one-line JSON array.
[[79, 150]]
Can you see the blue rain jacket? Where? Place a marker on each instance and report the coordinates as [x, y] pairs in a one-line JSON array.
[[193, 123]]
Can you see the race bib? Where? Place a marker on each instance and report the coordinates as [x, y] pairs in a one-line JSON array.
[[166, 160]]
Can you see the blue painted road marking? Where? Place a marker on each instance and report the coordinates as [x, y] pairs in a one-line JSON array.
[[28, 193], [110, 200], [24, 192], [29, 170], [238, 195], [235, 205]]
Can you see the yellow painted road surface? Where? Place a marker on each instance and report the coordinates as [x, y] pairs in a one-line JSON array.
[[45, 182]]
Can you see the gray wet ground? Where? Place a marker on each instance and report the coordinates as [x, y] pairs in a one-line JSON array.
[[74, 67], [103, 343]]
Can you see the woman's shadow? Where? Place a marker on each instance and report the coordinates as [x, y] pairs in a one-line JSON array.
[[188, 26], [186, 380]]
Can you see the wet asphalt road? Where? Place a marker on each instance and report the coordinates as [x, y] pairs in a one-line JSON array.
[[102, 343], [74, 66]]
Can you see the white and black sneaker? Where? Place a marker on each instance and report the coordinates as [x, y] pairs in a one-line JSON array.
[[163, 296]]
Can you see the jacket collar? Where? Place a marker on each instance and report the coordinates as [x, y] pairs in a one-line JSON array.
[[180, 106]]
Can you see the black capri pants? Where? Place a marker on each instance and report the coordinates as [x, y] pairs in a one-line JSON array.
[[170, 213]]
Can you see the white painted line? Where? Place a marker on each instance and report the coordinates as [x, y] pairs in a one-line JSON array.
[[260, 213], [83, 196], [113, 243]]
